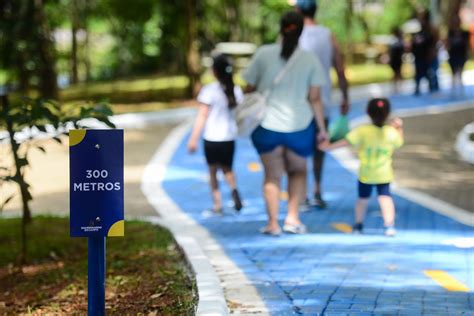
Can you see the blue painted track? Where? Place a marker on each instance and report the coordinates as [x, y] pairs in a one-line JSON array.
[[326, 271]]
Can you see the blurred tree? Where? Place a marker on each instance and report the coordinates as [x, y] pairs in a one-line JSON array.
[[127, 21], [192, 48], [27, 47]]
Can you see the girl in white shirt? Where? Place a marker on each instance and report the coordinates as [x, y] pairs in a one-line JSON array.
[[216, 117]]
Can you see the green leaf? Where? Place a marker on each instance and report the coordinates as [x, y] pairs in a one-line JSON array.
[[2, 206], [41, 148]]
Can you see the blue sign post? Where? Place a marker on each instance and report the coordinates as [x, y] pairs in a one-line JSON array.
[[96, 198]]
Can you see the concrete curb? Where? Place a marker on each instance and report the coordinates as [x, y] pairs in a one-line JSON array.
[[211, 295]]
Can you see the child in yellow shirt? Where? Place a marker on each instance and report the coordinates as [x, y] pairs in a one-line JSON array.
[[375, 144]]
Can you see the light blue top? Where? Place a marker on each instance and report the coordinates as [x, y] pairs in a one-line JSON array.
[[289, 109]]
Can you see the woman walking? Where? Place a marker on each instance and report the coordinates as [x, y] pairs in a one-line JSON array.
[[286, 136]]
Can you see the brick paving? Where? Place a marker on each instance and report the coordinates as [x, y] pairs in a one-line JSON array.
[[326, 271]]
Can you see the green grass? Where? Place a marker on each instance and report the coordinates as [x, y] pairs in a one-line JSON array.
[[145, 271]]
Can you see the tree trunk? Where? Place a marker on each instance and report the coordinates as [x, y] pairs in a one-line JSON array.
[[192, 49], [19, 178], [75, 26], [232, 9], [47, 73], [348, 21]]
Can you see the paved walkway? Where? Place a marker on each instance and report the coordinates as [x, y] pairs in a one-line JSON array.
[[427, 269]]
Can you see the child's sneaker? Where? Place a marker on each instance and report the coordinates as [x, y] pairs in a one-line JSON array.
[[390, 231], [319, 202], [357, 228], [237, 201], [305, 206]]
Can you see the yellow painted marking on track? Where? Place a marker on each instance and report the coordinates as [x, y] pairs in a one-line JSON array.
[[342, 227], [446, 281], [284, 196], [254, 167]]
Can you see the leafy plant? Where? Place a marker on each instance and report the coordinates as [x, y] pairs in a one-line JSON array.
[[27, 119]]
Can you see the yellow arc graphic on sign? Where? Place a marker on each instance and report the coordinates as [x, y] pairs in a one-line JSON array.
[[446, 281], [76, 136], [117, 229]]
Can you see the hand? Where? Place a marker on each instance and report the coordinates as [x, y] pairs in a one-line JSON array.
[[324, 145], [345, 107], [192, 146], [396, 122], [322, 136]]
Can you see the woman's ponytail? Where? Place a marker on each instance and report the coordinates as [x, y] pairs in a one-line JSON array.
[[291, 26]]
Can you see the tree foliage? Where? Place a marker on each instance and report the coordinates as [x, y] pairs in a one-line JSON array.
[[26, 120]]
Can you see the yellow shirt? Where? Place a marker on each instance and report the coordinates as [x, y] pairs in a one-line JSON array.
[[375, 148]]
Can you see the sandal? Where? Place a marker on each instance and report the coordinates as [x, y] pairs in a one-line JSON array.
[[272, 232], [294, 229]]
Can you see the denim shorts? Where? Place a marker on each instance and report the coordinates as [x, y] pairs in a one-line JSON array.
[[301, 142], [365, 190]]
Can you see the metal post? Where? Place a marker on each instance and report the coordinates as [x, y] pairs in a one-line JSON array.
[[96, 273]]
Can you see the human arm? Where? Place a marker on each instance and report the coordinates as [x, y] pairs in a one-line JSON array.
[[318, 110], [201, 118], [397, 123], [338, 64], [326, 145]]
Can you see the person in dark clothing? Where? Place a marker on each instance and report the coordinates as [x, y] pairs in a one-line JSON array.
[[424, 49], [457, 45], [396, 51]]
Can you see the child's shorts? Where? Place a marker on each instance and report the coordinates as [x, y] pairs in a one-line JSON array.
[[365, 190], [301, 142], [219, 153]]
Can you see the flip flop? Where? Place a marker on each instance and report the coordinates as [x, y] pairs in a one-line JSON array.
[[267, 231], [294, 229]]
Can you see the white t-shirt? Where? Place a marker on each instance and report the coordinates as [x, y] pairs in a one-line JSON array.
[[317, 40], [220, 124]]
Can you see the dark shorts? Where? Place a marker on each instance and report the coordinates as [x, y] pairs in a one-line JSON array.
[[365, 190], [219, 153], [300, 142], [456, 64]]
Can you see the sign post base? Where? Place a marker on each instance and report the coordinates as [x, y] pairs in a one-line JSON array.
[[96, 276]]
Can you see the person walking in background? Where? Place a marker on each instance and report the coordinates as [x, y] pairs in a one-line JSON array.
[[287, 133], [396, 50], [424, 49], [319, 41], [216, 118], [457, 45], [375, 144]]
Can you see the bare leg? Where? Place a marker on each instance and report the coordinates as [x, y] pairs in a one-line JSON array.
[[388, 210], [318, 159], [216, 194], [296, 169], [360, 209], [229, 177], [273, 164]]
